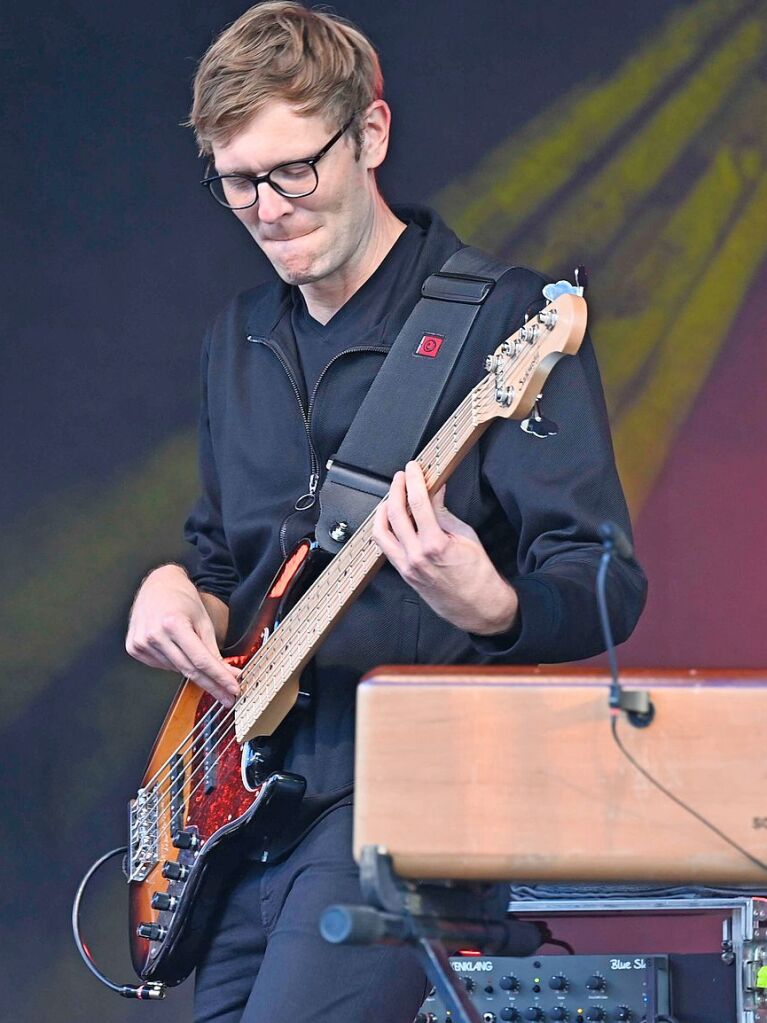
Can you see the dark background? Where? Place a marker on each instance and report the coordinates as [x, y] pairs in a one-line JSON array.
[[115, 260]]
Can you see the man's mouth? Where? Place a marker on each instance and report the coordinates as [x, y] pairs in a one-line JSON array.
[[288, 238]]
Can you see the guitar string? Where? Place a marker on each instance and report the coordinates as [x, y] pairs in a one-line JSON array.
[[164, 815], [325, 608], [465, 414], [327, 598], [462, 417], [263, 663], [278, 651], [281, 651]]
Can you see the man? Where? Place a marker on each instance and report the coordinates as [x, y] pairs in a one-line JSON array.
[[288, 107]]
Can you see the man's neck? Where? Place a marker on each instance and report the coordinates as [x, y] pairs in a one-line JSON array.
[[324, 298]]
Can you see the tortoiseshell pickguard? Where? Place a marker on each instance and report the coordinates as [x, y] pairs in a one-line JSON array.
[[229, 798]]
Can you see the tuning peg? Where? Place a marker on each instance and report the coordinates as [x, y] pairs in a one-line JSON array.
[[537, 425]]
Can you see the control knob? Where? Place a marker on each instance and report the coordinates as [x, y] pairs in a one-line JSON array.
[[595, 983], [595, 1014], [175, 871], [151, 931], [558, 983], [509, 983], [559, 1012], [185, 840], [468, 983], [622, 1013], [510, 1013], [534, 1013], [163, 901]]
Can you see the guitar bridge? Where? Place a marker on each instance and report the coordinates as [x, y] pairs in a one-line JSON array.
[[143, 847]]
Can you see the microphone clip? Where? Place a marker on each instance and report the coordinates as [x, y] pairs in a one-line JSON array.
[[635, 703]]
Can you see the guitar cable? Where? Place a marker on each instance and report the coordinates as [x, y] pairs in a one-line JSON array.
[[151, 991]]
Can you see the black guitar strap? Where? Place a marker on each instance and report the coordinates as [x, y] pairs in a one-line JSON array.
[[405, 393]]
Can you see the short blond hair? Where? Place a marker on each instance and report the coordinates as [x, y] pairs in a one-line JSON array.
[[281, 50]]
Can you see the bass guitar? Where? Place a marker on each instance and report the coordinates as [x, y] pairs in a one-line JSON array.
[[208, 792]]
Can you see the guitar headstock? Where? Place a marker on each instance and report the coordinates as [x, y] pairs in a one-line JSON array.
[[518, 368]]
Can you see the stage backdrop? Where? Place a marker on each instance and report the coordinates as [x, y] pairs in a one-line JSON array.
[[630, 138]]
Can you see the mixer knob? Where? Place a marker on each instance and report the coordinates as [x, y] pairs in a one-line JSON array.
[[509, 983], [534, 1013], [595, 1014], [595, 983], [558, 983], [622, 1013], [559, 1012], [510, 1014], [468, 983]]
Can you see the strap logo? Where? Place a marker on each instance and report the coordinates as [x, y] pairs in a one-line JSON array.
[[429, 345]]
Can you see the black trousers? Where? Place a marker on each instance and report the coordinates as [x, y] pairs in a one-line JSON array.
[[267, 962]]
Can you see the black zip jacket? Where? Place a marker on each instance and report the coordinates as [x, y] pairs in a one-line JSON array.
[[535, 504]]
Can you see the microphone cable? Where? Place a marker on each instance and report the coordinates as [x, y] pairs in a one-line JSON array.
[[615, 541]]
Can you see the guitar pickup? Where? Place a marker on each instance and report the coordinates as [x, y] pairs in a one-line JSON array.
[[177, 808], [209, 752]]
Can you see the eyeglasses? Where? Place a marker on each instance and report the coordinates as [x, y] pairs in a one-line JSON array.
[[292, 180]]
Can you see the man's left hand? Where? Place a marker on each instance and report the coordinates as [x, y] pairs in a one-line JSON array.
[[442, 558]]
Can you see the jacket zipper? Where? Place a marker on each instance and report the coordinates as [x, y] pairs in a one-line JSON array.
[[307, 500]]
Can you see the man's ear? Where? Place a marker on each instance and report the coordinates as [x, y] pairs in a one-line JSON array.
[[375, 125]]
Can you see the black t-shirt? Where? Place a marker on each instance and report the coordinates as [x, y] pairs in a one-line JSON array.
[[318, 344]]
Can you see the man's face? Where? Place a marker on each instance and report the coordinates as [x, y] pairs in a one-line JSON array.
[[315, 237]]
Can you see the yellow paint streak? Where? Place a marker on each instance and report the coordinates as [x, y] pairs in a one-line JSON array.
[[645, 432], [739, 127], [484, 207], [667, 272], [595, 214]]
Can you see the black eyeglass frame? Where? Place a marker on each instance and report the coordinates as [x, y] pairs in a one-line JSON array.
[[259, 179]]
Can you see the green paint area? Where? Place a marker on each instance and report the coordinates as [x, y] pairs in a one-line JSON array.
[[76, 580], [594, 215]]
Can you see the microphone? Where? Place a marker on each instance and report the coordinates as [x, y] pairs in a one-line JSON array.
[[636, 703]]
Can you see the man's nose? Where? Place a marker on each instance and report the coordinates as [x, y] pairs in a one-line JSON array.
[[271, 205]]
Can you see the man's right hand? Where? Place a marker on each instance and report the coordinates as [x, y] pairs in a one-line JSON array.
[[172, 628]]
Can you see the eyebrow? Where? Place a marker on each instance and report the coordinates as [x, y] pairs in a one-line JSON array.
[[249, 172]]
